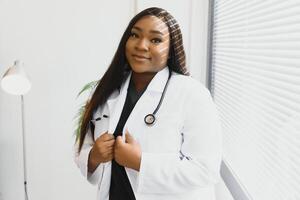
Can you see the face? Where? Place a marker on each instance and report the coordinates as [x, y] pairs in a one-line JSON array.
[[147, 48]]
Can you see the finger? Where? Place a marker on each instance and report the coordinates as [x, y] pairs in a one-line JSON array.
[[126, 131], [105, 137], [109, 158], [108, 154], [106, 147], [103, 147], [118, 144], [105, 153], [102, 136], [128, 138], [110, 149], [109, 143], [119, 140], [108, 136]]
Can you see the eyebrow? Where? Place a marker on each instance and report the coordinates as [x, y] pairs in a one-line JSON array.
[[151, 31]]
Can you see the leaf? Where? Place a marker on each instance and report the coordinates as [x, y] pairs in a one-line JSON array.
[[79, 121], [79, 115], [87, 86]]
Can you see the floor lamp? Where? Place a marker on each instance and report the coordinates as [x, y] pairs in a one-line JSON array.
[[16, 82]]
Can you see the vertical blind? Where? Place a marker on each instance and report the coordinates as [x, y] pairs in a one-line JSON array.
[[255, 82]]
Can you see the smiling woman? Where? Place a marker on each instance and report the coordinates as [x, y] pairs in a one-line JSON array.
[[150, 131], [147, 48]]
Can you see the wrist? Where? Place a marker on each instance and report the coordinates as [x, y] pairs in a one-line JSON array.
[[138, 162], [92, 162]]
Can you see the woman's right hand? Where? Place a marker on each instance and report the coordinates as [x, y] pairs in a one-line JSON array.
[[102, 151]]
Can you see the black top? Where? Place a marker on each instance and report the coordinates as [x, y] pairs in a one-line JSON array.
[[120, 188]]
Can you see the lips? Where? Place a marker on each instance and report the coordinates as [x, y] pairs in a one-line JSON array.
[[140, 57]]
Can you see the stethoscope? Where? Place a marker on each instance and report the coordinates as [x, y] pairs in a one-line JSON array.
[[150, 118]]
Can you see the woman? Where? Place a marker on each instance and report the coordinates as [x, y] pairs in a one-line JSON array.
[[149, 130]]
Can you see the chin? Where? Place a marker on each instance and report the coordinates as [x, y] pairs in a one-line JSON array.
[[140, 69]]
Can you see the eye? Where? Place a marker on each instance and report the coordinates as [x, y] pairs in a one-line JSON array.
[[134, 35], [156, 40]]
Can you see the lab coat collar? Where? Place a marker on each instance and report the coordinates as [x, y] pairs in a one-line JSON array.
[[157, 83]]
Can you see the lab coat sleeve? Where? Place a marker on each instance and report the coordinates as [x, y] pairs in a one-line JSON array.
[[81, 159], [201, 149]]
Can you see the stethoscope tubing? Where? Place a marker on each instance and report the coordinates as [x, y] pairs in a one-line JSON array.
[[150, 119]]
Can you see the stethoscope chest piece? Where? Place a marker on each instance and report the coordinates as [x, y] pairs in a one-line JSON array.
[[149, 119]]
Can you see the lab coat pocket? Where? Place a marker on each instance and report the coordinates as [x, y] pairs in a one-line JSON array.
[[164, 136], [101, 125]]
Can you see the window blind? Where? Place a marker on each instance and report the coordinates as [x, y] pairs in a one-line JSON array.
[[255, 82]]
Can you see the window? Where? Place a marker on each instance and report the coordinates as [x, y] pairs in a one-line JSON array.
[[255, 82]]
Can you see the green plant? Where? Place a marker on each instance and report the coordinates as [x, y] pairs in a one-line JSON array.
[[79, 115]]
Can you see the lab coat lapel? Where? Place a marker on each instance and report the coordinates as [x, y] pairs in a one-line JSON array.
[[115, 106], [147, 104]]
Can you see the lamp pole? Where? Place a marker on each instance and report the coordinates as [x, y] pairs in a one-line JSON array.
[[24, 147], [16, 82]]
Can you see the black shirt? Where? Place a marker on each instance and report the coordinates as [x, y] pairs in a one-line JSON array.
[[120, 188]]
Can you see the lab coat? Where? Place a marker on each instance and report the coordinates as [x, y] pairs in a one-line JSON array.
[[181, 152]]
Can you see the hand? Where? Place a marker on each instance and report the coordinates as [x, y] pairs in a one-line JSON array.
[[103, 149], [128, 153]]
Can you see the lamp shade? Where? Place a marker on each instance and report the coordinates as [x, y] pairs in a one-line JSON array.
[[15, 80]]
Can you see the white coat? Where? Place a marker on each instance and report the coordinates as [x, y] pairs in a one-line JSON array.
[[181, 152]]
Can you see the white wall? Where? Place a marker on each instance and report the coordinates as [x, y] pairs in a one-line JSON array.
[[65, 44]]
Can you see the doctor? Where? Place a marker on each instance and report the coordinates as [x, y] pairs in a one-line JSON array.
[[150, 131]]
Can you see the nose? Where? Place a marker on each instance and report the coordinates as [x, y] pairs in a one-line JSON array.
[[142, 45]]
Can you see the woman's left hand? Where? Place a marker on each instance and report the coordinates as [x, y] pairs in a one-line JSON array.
[[128, 153]]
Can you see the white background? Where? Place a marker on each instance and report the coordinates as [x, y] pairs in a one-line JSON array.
[[65, 44]]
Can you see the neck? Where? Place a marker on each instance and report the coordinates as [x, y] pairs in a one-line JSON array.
[[141, 80]]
